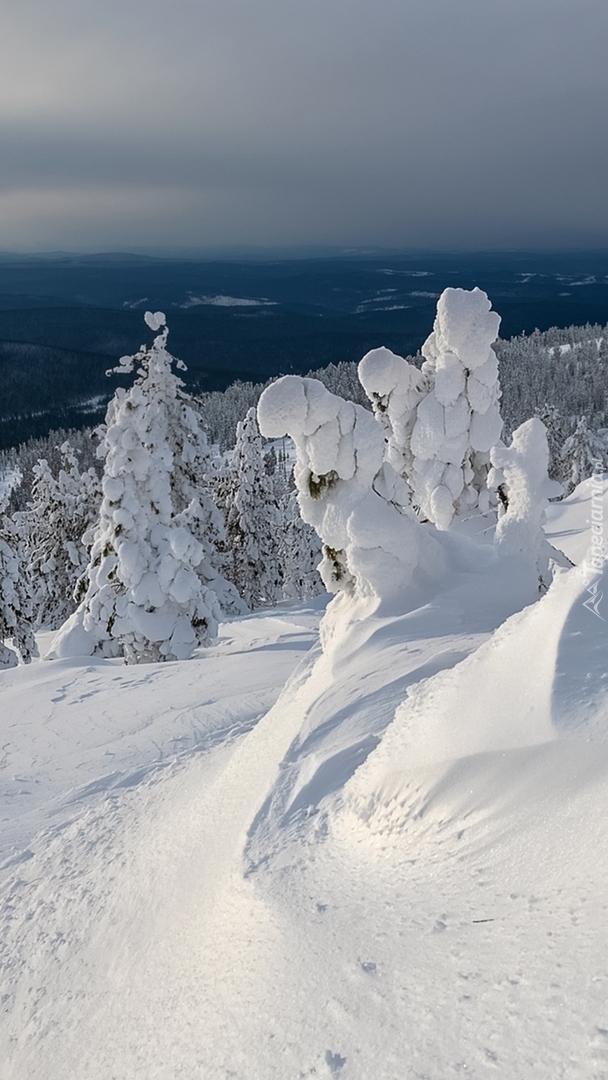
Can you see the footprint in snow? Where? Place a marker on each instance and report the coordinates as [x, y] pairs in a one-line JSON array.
[[368, 967], [335, 1061]]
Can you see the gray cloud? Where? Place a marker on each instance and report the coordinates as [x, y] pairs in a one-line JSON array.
[[423, 123]]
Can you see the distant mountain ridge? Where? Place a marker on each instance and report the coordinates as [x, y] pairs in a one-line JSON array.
[[66, 318]]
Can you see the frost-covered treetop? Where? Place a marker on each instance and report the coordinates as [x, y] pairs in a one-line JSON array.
[[458, 420], [347, 440], [156, 359], [155, 320], [522, 468], [459, 351], [465, 327], [389, 381], [395, 388]]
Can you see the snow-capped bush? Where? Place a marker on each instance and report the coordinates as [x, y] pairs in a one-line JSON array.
[[346, 491], [522, 470], [144, 599], [458, 421]]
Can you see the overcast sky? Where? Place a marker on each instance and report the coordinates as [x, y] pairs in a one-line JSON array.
[[141, 124]]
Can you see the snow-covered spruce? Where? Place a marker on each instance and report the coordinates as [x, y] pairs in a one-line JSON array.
[[395, 389], [253, 520], [355, 500], [192, 496], [62, 510], [458, 421], [15, 602], [554, 424], [144, 600], [583, 453], [522, 471], [299, 551]]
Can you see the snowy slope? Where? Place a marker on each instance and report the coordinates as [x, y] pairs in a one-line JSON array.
[[399, 871], [568, 521], [75, 729]]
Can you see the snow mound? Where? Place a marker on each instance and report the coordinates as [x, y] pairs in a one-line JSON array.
[[538, 680], [372, 657]]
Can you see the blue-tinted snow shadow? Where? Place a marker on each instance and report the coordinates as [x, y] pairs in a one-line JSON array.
[[580, 694]]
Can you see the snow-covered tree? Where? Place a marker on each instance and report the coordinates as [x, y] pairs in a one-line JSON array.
[[354, 499], [395, 389], [144, 600], [522, 469], [253, 520], [271, 461], [61, 511], [15, 602], [566, 368], [581, 453], [458, 421], [554, 425], [192, 494], [299, 552], [20, 462]]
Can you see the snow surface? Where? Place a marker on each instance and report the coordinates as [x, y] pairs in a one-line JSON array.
[[568, 524], [397, 870]]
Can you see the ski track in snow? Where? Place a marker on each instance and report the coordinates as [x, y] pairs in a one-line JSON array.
[[253, 890]]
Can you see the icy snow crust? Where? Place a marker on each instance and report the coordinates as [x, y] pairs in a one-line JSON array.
[[399, 870]]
